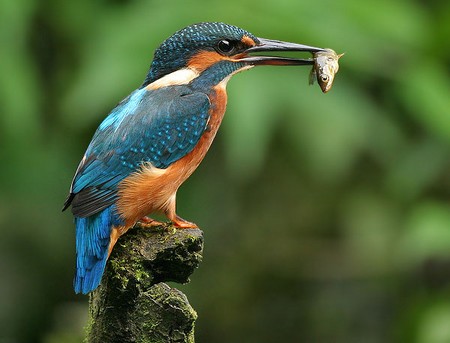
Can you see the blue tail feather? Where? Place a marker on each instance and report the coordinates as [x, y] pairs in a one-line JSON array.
[[92, 242]]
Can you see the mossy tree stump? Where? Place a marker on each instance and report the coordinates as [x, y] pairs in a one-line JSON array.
[[133, 304]]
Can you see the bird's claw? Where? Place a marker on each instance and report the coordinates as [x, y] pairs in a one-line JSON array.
[[181, 223], [149, 223]]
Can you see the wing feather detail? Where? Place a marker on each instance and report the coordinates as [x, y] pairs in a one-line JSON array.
[[158, 127]]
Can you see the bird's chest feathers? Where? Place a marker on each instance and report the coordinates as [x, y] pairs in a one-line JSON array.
[[218, 99], [186, 165]]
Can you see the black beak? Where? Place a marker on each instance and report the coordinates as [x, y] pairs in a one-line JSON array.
[[266, 45]]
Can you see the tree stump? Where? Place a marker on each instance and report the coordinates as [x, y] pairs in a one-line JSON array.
[[133, 303]]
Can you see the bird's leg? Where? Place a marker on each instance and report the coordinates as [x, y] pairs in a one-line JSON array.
[[175, 219], [116, 232]]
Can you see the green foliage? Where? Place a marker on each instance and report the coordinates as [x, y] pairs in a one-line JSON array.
[[326, 217]]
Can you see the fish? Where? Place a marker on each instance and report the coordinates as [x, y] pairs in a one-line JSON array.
[[325, 67]]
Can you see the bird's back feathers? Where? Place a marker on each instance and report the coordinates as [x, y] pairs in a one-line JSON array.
[[158, 126]]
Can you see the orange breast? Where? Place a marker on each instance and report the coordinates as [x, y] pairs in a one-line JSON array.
[[151, 189]]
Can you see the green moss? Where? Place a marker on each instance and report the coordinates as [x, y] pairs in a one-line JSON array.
[[133, 303], [88, 328]]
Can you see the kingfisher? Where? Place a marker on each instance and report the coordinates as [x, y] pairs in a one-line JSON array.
[[155, 138]]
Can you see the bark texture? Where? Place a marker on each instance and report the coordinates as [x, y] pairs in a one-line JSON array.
[[133, 302]]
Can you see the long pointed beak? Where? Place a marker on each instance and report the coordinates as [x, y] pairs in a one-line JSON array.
[[267, 45]]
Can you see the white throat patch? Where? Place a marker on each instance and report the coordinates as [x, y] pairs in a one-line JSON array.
[[179, 77]]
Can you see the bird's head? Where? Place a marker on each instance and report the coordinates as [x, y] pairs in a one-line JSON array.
[[220, 49]]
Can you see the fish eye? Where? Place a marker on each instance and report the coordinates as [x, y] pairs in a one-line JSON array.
[[225, 46], [324, 78]]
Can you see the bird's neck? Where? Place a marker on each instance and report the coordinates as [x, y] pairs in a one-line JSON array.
[[217, 74]]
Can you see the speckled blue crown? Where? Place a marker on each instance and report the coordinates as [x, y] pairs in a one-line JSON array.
[[176, 50]]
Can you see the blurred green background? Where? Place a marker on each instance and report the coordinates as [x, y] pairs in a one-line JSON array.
[[326, 217]]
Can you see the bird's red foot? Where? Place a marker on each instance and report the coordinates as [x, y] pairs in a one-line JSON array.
[[182, 223], [149, 222]]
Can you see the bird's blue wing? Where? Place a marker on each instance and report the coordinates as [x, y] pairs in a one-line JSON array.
[[159, 126]]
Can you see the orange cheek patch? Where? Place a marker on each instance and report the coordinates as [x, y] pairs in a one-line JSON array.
[[204, 59]]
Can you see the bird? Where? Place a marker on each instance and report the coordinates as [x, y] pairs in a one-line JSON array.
[[155, 138]]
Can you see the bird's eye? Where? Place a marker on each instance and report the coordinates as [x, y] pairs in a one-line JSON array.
[[225, 46]]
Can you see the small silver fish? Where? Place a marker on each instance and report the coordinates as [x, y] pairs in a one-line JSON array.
[[325, 67]]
